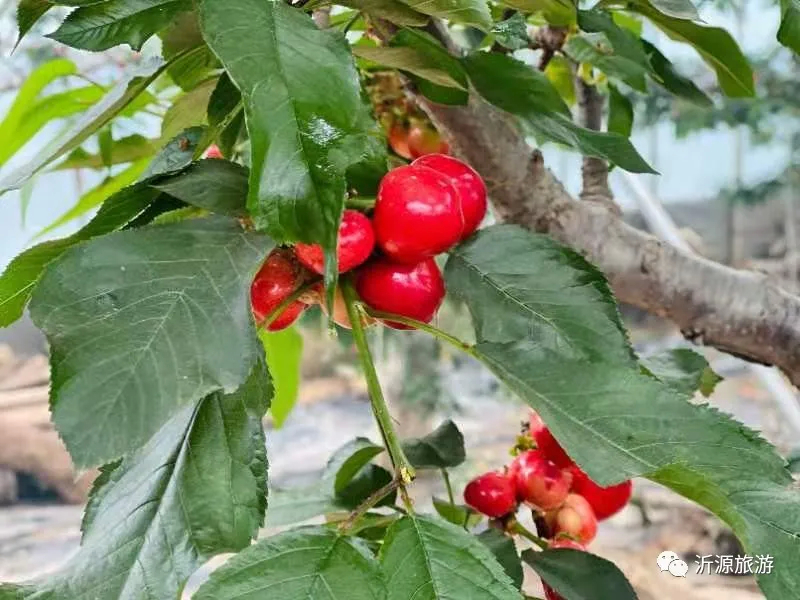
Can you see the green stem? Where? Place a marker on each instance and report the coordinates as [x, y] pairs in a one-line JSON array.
[[347, 27], [359, 203], [402, 467], [427, 328], [446, 477], [293, 297], [367, 504], [520, 529]]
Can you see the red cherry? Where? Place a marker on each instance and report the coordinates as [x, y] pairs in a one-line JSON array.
[[398, 140], [417, 214], [469, 184], [491, 494], [539, 481], [213, 152], [356, 242], [424, 140], [547, 443], [550, 593], [414, 291], [605, 502], [575, 518], [274, 282]]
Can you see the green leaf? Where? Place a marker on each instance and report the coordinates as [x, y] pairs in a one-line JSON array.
[[429, 559], [124, 150], [466, 12], [680, 9], [215, 185], [183, 40], [290, 506], [103, 25], [505, 551], [196, 489], [683, 370], [92, 121], [620, 113], [580, 575], [348, 460], [310, 562], [284, 349], [409, 60], [307, 120], [225, 100], [442, 448], [789, 32], [138, 328], [555, 12], [624, 42], [391, 10], [547, 325], [176, 155], [559, 72], [665, 74], [457, 514], [28, 14], [189, 110], [367, 481], [594, 49], [512, 33], [714, 44]]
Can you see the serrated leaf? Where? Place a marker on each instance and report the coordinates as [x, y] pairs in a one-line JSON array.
[[580, 575], [441, 449], [466, 12], [429, 559], [595, 50], [28, 14], [556, 12], [614, 420], [189, 110], [714, 44], [457, 514], [505, 551], [216, 185], [310, 562], [196, 489], [142, 323], [103, 25], [124, 150], [789, 31], [391, 10], [684, 370], [89, 123], [283, 349], [512, 33], [664, 74], [620, 113]]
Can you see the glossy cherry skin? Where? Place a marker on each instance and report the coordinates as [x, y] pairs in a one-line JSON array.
[[538, 481], [414, 291], [547, 443], [417, 214], [274, 282], [606, 502], [424, 140], [575, 518], [550, 593], [467, 182], [356, 242], [398, 141], [491, 494], [213, 152]]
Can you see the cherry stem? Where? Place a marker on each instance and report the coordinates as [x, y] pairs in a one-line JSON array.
[[520, 529], [403, 469], [286, 303], [446, 477], [369, 503], [360, 203], [427, 328]]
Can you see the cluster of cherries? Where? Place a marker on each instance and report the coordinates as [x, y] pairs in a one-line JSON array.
[[421, 210], [416, 140], [566, 502]]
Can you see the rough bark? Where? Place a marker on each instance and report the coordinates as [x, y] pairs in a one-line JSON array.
[[595, 170], [742, 312]]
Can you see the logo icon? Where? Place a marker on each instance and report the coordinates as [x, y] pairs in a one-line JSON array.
[[678, 568], [665, 558], [670, 561]]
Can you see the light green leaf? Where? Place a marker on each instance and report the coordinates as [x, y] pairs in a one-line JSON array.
[[789, 32], [664, 74], [100, 26], [620, 113], [215, 185], [348, 460], [196, 489], [466, 12], [28, 14], [559, 73], [505, 551], [305, 563], [580, 575], [683, 370], [626, 45], [139, 327], [124, 150], [594, 49], [441, 449], [457, 514], [430, 559], [284, 350], [512, 33], [391, 10], [407, 59], [290, 506], [556, 12], [680, 9], [189, 110]]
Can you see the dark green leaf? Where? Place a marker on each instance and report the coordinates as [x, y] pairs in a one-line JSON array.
[[289, 506], [793, 460], [305, 563], [348, 460], [624, 42], [391, 10], [512, 33], [139, 328], [466, 12], [183, 41], [284, 349], [105, 142], [457, 514], [672, 81], [620, 113], [368, 480], [683, 370], [580, 575], [789, 32], [176, 155], [28, 13], [595, 49], [505, 551], [215, 185], [429, 559], [555, 12], [225, 99], [103, 25], [123, 150], [442, 448], [196, 489], [680, 9]]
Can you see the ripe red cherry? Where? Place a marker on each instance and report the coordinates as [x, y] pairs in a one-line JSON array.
[[356, 242], [491, 494], [274, 282], [414, 291], [539, 481], [605, 502], [575, 518], [424, 140], [213, 152], [398, 140], [469, 184], [550, 593], [417, 214], [547, 443]]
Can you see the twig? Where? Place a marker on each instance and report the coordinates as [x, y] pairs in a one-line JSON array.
[[594, 170], [369, 503]]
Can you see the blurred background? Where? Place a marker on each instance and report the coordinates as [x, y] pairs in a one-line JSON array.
[[728, 183]]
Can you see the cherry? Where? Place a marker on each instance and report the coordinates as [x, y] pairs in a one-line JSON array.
[[213, 152], [417, 214], [539, 481], [469, 184], [424, 140], [605, 502], [398, 140], [491, 494], [414, 291], [575, 518], [547, 443], [355, 244], [550, 593], [275, 281]]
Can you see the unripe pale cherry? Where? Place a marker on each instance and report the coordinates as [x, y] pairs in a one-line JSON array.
[[417, 214], [491, 494], [425, 140], [356, 242], [467, 182], [539, 481], [575, 518], [277, 279], [546, 443], [605, 501], [398, 140]]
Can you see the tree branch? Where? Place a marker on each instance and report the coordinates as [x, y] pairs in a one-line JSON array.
[[594, 170]]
